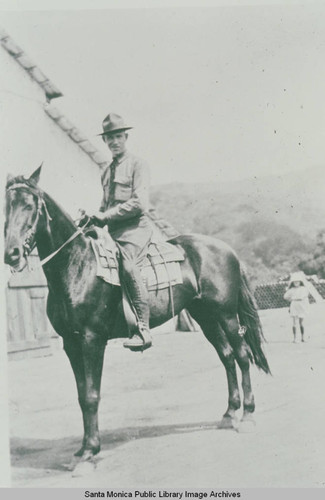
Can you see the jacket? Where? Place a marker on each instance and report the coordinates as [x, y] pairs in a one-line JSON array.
[[126, 212]]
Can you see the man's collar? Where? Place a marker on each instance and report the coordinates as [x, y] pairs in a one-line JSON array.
[[119, 158]]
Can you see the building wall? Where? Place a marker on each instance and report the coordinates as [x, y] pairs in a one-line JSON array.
[[29, 137]]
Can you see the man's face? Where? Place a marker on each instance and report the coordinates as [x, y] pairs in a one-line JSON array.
[[116, 142]]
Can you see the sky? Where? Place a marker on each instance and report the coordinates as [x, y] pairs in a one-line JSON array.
[[213, 93]]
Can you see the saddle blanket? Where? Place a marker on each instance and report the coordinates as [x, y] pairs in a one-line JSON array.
[[160, 269]]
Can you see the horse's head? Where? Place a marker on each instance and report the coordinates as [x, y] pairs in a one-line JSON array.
[[23, 207]]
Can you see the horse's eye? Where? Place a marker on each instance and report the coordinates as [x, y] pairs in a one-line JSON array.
[[28, 207]]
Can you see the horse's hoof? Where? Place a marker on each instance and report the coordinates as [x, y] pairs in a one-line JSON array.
[[84, 454], [228, 423], [81, 456], [247, 425], [79, 453]]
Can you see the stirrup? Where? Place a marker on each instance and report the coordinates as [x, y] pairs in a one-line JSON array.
[[139, 342]]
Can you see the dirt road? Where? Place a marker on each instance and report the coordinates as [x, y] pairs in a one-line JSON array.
[[159, 412]]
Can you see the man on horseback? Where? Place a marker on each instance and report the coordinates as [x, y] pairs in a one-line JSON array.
[[124, 209]]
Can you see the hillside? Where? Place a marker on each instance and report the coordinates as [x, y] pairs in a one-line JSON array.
[[271, 222]]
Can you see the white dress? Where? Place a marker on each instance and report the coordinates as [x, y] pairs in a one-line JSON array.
[[299, 303]]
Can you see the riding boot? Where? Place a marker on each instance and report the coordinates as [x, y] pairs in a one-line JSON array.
[[294, 333], [139, 341], [138, 295]]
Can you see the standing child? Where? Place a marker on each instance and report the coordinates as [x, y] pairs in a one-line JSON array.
[[297, 295]]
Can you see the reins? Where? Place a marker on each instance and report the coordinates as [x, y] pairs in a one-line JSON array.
[[53, 254], [29, 244]]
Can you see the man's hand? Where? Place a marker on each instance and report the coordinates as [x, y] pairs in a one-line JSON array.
[[97, 218]]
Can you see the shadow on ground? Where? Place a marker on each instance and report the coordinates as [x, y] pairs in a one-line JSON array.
[[57, 454]]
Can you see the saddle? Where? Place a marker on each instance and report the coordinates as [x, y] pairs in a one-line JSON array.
[[160, 269]]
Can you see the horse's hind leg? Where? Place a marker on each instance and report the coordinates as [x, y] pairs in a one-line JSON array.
[[206, 317], [86, 355], [230, 325]]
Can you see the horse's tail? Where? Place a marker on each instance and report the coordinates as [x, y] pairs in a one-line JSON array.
[[248, 316]]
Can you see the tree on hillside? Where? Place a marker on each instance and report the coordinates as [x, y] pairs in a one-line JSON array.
[[268, 245], [316, 263]]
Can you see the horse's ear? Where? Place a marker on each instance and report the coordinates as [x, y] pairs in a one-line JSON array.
[[36, 175], [9, 178]]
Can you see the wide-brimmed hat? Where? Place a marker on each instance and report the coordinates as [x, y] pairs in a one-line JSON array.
[[297, 276], [113, 123]]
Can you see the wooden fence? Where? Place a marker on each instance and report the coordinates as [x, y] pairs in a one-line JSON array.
[[270, 295], [29, 331]]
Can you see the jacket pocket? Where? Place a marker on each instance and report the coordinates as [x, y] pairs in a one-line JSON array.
[[123, 188], [124, 180]]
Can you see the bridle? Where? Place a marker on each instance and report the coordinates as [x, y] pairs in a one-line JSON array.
[[30, 243]]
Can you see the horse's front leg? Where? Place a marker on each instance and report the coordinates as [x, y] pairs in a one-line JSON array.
[[86, 354]]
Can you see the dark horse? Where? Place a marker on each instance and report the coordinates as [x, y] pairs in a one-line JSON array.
[[86, 311]]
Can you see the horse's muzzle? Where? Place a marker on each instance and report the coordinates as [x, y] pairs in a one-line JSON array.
[[13, 257]]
